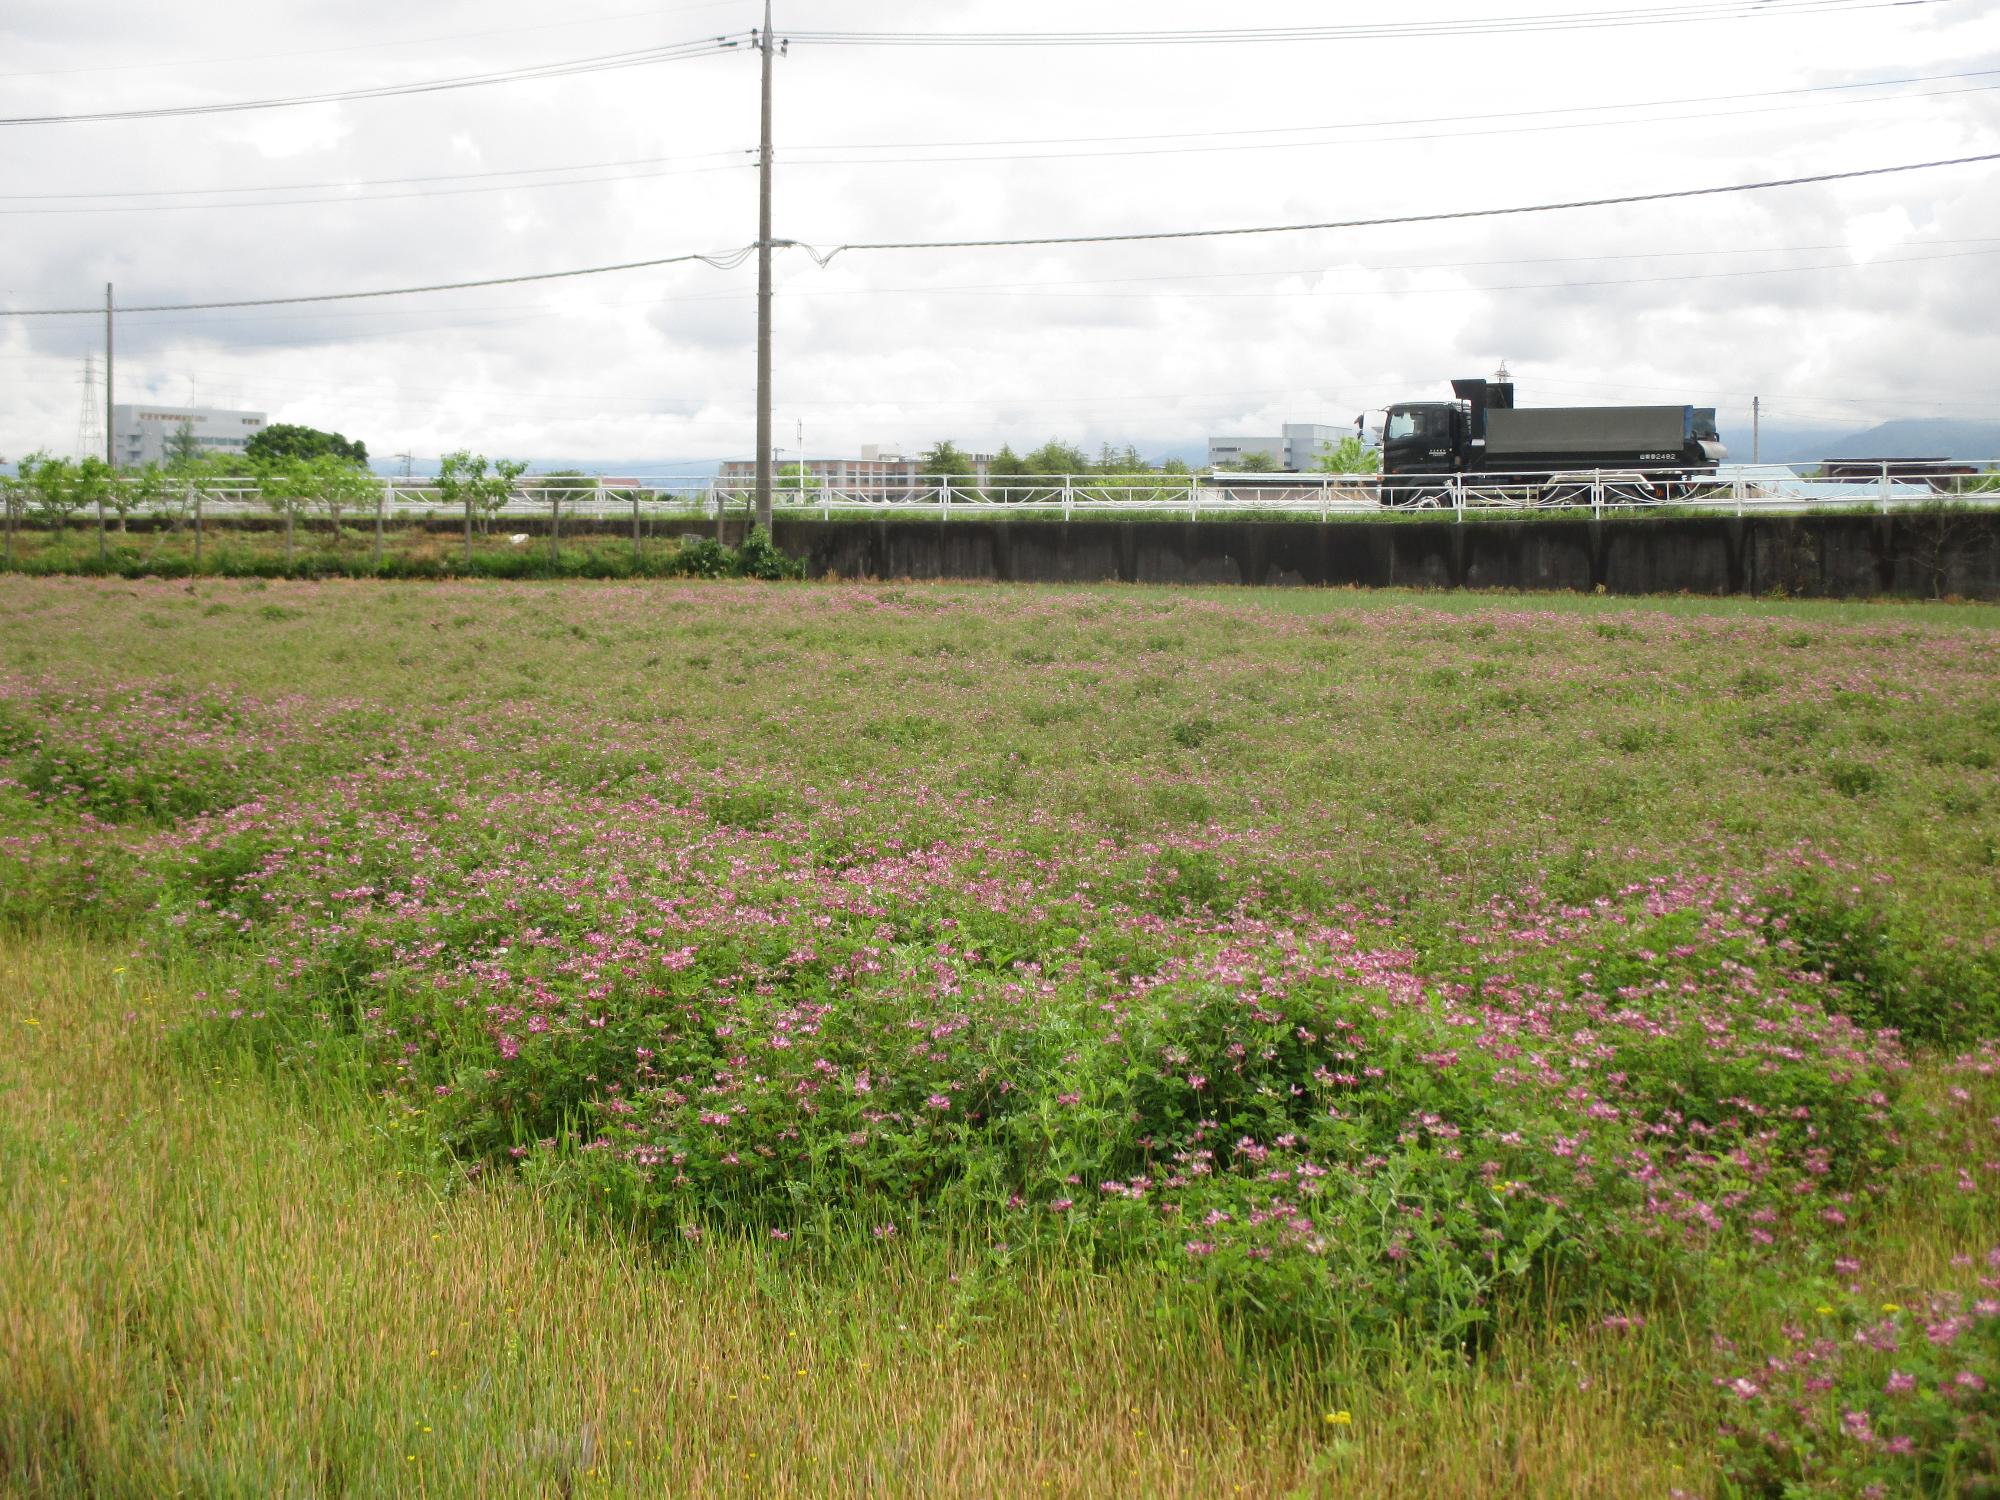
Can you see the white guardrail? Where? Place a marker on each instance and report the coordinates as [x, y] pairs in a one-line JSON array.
[[1740, 489]]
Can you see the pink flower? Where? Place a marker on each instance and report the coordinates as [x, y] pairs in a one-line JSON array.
[[1900, 1383], [885, 1231], [1199, 1248], [938, 1101]]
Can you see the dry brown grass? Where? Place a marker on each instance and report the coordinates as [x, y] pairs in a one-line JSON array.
[[206, 1288]]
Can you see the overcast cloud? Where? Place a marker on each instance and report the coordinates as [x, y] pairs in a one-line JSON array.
[[1163, 343]]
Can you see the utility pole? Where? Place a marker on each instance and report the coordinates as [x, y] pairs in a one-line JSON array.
[[1756, 429], [110, 438], [764, 41]]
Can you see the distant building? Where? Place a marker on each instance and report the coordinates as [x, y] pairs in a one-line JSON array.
[[144, 434], [1295, 450], [877, 471]]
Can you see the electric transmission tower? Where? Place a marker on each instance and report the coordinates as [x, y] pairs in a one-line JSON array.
[[90, 419]]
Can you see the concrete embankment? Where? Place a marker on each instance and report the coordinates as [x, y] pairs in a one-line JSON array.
[[1928, 554]]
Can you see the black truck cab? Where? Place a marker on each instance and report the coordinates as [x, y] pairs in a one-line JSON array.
[[1426, 437]]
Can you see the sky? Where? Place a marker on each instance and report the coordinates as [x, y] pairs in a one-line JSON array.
[[1839, 304]]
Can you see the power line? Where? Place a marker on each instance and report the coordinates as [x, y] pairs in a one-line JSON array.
[[640, 57], [652, 14], [314, 187], [436, 192], [518, 314], [1379, 269], [730, 159], [728, 260], [1530, 286], [1483, 130], [44, 205], [1713, 10], [1506, 114], [725, 261], [1433, 218], [727, 156]]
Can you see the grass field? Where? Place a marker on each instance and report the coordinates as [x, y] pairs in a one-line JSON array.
[[782, 1039]]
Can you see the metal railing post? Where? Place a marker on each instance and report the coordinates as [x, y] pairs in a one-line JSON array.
[[1597, 494], [1885, 488], [194, 492], [826, 499], [1069, 496], [381, 504], [1458, 498], [944, 491]]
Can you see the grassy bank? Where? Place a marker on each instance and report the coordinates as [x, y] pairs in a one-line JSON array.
[[404, 552], [1099, 1037]]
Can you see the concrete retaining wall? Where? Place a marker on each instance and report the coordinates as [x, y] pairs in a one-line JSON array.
[[1918, 555]]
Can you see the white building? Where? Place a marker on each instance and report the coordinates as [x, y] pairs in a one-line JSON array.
[[1295, 450], [879, 469], [144, 434]]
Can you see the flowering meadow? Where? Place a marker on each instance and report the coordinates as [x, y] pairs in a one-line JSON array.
[[1498, 989]]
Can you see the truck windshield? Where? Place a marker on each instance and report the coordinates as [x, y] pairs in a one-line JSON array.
[[1402, 424]]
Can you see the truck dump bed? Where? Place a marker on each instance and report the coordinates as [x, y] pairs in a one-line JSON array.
[[1585, 430]]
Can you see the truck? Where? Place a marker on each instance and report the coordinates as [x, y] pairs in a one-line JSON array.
[[1545, 454]]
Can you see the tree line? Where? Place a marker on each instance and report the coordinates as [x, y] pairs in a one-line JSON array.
[[946, 459]]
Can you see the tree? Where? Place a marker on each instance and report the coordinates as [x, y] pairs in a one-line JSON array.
[[1057, 458], [482, 487], [1007, 464], [339, 487], [1348, 456], [499, 485], [51, 486], [288, 486], [290, 440], [91, 484], [948, 459], [136, 489], [565, 486], [149, 489], [1124, 460], [183, 449], [1255, 462]]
